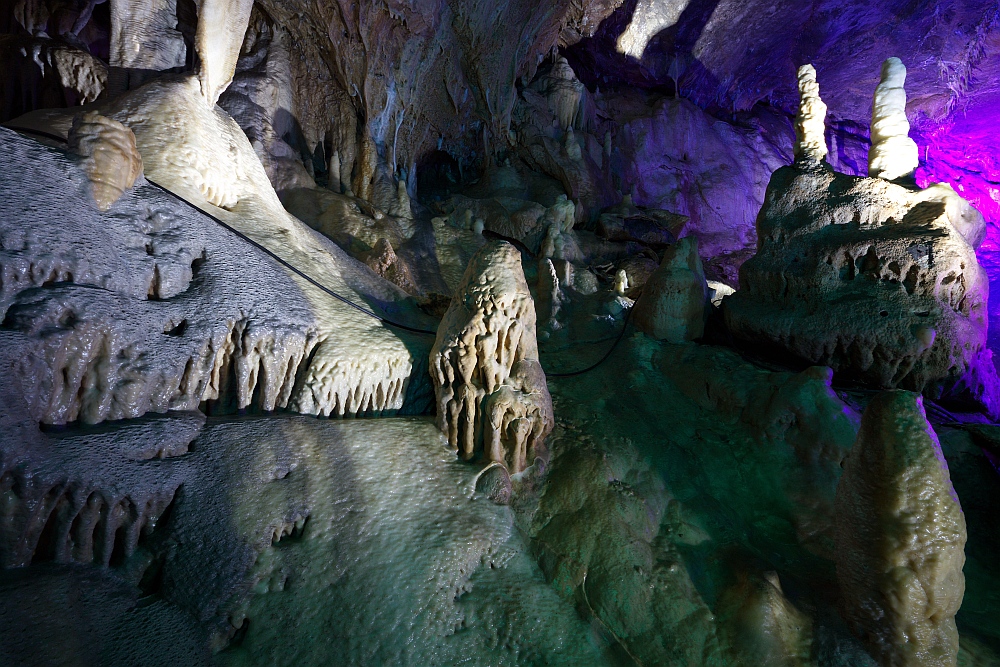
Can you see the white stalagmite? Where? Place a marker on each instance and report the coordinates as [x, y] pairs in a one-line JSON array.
[[810, 125], [490, 388], [893, 154], [900, 537]]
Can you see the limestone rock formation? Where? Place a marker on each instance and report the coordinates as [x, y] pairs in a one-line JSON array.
[[893, 154], [564, 93], [384, 261], [627, 222], [675, 297], [810, 123], [111, 159], [151, 307], [514, 217], [44, 72], [871, 278], [673, 156], [491, 390], [900, 535]]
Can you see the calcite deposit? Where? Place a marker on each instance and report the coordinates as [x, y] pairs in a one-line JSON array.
[[507, 333], [674, 298], [893, 154], [490, 387], [871, 278], [810, 122], [900, 537], [877, 280]]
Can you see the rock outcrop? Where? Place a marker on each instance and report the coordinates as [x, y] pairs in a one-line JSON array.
[[900, 536], [491, 390], [675, 297], [876, 280]]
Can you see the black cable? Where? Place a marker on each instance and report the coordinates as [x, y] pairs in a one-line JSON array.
[[294, 270], [257, 245], [316, 283], [600, 361]]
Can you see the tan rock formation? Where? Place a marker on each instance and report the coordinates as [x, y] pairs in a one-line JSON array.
[[384, 261], [490, 388], [760, 626], [675, 297], [111, 160], [900, 536], [564, 93], [221, 26]]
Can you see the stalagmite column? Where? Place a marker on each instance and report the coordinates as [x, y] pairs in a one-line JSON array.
[[810, 125], [900, 537], [490, 388], [893, 154], [110, 157]]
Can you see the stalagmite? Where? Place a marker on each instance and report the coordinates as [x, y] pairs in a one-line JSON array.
[[810, 126], [893, 155], [900, 537], [877, 279], [491, 390], [674, 300], [401, 207], [334, 172]]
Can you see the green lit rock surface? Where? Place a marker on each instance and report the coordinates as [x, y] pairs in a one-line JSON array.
[[685, 518]]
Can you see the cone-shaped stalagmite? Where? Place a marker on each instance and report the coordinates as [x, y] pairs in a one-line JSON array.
[[490, 387], [900, 537]]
